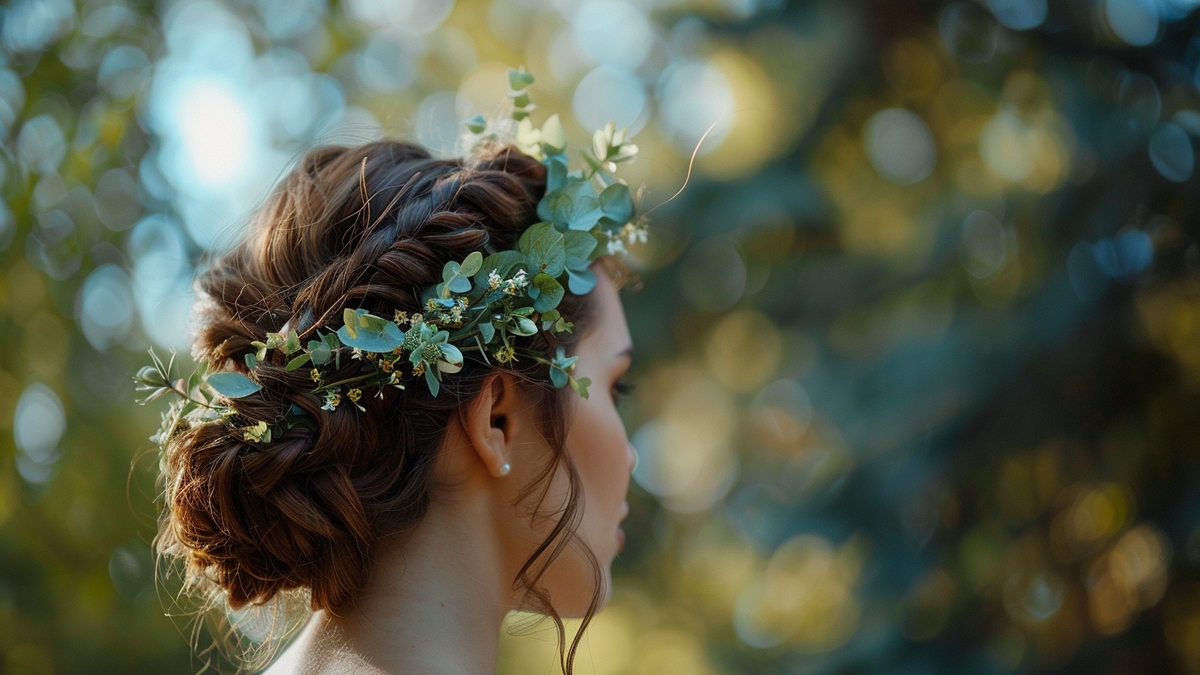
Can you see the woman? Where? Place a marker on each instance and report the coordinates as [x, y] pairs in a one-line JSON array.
[[416, 482]]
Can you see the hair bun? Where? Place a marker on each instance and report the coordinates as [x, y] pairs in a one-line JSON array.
[[348, 227]]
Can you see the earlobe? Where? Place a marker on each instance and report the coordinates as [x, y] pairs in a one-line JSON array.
[[490, 425]]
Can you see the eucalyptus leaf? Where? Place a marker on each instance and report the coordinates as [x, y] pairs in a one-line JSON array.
[[551, 292], [370, 322], [378, 342], [556, 173], [487, 331], [319, 352], [558, 377], [581, 281], [471, 265], [502, 262], [584, 214], [459, 285], [232, 385], [432, 381], [616, 203], [543, 248], [579, 247], [556, 207], [350, 319], [292, 344], [297, 362], [580, 386]]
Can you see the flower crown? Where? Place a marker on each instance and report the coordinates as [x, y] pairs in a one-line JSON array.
[[483, 305]]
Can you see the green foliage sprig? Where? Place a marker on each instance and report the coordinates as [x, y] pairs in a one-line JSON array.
[[482, 307]]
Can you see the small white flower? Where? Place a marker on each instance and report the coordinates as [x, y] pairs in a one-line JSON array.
[[494, 280], [615, 246]]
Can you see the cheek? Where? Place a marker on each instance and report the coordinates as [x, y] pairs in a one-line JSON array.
[[598, 446]]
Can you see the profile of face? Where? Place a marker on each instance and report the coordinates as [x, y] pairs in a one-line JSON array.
[[599, 447], [503, 428]]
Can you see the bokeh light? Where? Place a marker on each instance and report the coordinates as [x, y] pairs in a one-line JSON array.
[[918, 346]]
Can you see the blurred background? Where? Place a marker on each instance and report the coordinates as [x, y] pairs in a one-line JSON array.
[[918, 347]]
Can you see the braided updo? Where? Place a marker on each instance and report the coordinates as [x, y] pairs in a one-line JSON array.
[[364, 227]]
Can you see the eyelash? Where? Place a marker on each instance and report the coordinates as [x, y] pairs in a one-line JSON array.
[[622, 389]]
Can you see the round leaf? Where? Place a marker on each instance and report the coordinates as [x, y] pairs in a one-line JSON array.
[[551, 292], [581, 281], [543, 247], [233, 385], [472, 264], [381, 341]]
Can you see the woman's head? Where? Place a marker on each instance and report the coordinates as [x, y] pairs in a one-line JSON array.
[[371, 227]]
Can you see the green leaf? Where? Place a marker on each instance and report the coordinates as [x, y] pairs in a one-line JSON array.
[[384, 340], [261, 354], [297, 362], [543, 248], [581, 281], [519, 79], [471, 265], [432, 381], [487, 331], [459, 285], [554, 137], [524, 327], [580, 386], [550, 292], [585, 213], [370, 322], [579, 247], [350, 318], [556, 207], [503, 262], [319, 351], [476, 124], [616, 203], [251, 360], [232, 385], [556, 173], [292, 345]]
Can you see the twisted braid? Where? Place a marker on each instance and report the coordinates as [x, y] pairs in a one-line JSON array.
[[348, 227]]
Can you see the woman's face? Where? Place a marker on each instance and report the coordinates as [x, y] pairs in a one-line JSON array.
[[597, 444]]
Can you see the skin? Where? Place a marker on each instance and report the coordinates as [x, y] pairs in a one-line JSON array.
[[436, 598]]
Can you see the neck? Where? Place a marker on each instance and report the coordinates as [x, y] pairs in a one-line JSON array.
[[433, 605]]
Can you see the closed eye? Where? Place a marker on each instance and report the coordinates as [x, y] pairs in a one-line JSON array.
[[621, 389]]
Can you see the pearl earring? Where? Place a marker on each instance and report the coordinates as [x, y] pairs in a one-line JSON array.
[[504, 469]]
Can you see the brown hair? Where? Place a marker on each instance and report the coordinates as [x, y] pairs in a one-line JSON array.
[[370, 227]]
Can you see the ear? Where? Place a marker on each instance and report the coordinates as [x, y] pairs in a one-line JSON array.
[[491, 422]]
